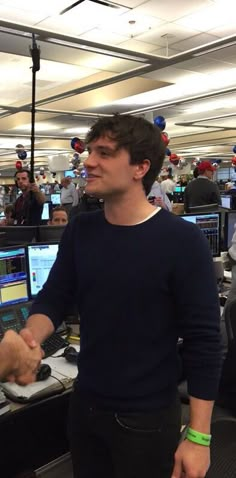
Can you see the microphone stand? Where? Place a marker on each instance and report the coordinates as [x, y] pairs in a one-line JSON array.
[[35, 55]]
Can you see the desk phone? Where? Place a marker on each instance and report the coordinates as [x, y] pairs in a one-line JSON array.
[[13, 318]]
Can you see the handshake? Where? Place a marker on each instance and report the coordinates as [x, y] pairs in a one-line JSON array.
[[20, 357]]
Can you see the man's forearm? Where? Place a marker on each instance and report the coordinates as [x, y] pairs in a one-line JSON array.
[[200, 415], [41, 326]]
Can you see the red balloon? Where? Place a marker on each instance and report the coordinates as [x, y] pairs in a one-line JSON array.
[[165, 138], [79, 146], [18, 164], [234, 160]]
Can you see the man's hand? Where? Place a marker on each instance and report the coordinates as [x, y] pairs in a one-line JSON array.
[[158, 201], [24, 359], [34, 188], [191, 460]]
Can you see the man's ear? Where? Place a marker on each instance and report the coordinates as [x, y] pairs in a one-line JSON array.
[[142, 169]]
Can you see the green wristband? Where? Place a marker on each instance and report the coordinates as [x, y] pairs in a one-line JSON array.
[[197, 437]]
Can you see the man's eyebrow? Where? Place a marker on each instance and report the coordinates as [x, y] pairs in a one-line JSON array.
[[103, 147]]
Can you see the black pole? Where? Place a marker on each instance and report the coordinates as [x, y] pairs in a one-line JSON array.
[[35, 54]]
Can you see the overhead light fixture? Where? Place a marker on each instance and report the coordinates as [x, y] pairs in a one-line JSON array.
[[101, 51], [215, 48]]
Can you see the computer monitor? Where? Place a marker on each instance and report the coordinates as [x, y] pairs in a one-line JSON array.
[[69, 173], [210, 225], [16, 235], [56, 199], [47, 207], [230, 221], [226, 201], [179, 189], [50, 233], [13, 276], [40, 259]]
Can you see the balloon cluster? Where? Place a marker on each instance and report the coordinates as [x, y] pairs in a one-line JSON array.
[[234, 158], [182, 163], [161, 123], [22, 155], [75, 162], [216, 163], [78, 145], [20, 151]]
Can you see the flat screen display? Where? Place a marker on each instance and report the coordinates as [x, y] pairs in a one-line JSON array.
[[41, 258], [13, 276], [210, 226]]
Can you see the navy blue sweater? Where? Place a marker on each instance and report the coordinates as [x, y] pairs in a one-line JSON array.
[[138, 288]]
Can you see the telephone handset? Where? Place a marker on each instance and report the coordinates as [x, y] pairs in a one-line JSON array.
[[13, 318]]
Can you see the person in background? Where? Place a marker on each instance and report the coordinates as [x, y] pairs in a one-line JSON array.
[[158, 198], [203, 191], [195, 173], [47, 188], [56, 187], [8, 220], [19, 361], [29, 205], [124, 266], [59, 217], [69, 195], [168, 185]]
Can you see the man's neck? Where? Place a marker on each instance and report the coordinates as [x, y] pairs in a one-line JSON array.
[[127, 210]]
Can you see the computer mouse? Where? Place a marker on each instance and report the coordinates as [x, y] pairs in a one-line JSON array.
[[70, 354], [43, 372]]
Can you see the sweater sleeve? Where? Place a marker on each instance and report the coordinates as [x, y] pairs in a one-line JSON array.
[[198, 314], [59, 290]]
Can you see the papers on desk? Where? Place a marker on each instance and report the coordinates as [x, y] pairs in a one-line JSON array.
[[61, 379]]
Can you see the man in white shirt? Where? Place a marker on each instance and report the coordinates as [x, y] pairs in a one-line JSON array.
[[160, 198], [69, 196], [168, 185]]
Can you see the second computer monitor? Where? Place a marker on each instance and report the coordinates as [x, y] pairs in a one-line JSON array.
[[230, 221], [209, 223], [40, 258], [13, 278], [50, 233]]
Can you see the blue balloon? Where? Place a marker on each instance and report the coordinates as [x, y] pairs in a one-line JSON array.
[[73, 142], [168, 152], [22, 155], [218, 161], [83, 173], [160, 122], [234, 149]]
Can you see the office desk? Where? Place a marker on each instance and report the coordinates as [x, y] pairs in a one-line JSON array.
[[33, 435]]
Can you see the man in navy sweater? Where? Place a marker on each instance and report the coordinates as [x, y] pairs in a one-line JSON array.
[[142, 277]]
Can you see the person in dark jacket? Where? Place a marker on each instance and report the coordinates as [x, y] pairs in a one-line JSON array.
[[138, 287], [203, 191]]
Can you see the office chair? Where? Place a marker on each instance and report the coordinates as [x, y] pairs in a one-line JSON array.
[[223, 449], [230, 320]]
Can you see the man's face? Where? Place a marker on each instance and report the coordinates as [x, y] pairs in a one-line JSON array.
[[209, 174], [59, 218], [22, 180], [109, 169]]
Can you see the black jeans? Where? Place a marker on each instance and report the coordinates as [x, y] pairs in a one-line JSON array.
[[122, 445]]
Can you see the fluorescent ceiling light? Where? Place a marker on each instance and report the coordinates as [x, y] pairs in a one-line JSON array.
[[215, 48], [94, 49], [81, 130], [211, 106], [38, 127]]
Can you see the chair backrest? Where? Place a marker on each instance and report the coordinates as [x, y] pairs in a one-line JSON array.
[[223, 449], [230, 319]]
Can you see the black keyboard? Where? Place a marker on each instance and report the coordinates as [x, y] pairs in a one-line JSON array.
[[53, 343]]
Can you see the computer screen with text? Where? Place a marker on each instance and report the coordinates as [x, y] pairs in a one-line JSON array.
[[210, 226], [41, 258], [13, 276]]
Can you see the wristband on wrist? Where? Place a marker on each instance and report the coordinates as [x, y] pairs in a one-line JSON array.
[[197, 437]]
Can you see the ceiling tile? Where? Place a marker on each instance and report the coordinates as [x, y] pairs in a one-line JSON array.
[[207, 19], [171, 74], [122, 25], [167, 33], [224, 31], [195, 41], [18, 15], [102, 36], [136, 45], [165, 52], [43, 7], [169, 11]]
